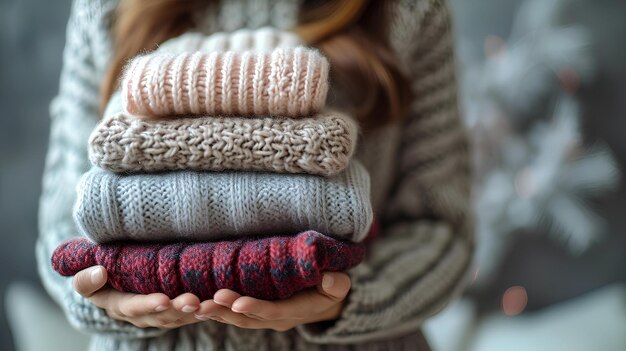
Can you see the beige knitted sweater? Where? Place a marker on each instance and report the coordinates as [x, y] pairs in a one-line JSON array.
[[420, 190]]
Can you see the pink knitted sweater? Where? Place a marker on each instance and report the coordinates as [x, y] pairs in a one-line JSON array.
[[288, 82]]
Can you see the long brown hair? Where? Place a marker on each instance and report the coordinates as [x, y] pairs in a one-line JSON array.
[[349, 32]]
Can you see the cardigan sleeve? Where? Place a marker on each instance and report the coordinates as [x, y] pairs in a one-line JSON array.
[[420, 261], [74, 112]]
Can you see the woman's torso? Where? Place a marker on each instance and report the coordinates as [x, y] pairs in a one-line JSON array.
[[376, 151]]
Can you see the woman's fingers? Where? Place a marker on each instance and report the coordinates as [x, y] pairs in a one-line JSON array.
[[296, 307], [224, 314], [225, 297], [139, 305], [258, 308], [208, 309], [157, 310], [335, 285], [187, 318], [124, 305], [186, 303], [334, 288], [180, 313], [152, 310], [90, 280]]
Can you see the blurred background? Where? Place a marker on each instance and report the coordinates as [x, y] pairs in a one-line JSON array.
[[543, 86]]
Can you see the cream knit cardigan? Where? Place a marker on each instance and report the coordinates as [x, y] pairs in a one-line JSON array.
[[419, 172]]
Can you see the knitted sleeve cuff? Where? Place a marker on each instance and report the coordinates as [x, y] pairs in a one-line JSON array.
[[403, 282], [85, 316], [73, 114]]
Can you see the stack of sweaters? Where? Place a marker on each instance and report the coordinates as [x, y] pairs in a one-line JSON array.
[[217, 165]]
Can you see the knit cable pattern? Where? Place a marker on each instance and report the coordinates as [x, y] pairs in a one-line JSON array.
[[208, 206], [290, 82], [322, 145], [268, 268]]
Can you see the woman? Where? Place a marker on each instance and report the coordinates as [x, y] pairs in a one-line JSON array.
[[393, 69]]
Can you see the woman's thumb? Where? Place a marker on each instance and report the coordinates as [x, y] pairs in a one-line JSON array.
[[335, 285], [90, 280]]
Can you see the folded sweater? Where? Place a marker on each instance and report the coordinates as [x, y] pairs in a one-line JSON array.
[[288, 82], [210, 205], [322, 145], [262, 39], [268, 268]]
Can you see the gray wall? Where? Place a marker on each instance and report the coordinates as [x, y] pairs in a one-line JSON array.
[[32, 34]]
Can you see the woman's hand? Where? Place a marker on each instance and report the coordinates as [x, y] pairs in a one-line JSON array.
[[312, 305], [153, 310], [157, 310]]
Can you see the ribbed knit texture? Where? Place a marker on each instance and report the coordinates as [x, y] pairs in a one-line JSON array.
[[321, 145], [208, 206], [288, 82], [263, 39], [420, 190], [269, 268]]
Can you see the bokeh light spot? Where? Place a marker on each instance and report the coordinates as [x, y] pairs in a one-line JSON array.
[[514, 300]]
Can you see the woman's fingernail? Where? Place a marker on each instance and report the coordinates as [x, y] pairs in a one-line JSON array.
[[203, 317], [160, 308], [188, 308], [96, 275], [221, 303], [327, 281], [237, 309]]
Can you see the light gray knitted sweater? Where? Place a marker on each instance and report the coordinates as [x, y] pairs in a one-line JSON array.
[[204, 206], [418, 170]]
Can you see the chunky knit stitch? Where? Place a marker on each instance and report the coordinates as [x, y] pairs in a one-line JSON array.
[[321, 145], [269, 268], [263, 39], [418, 168], [289, 82], [209, 206]]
